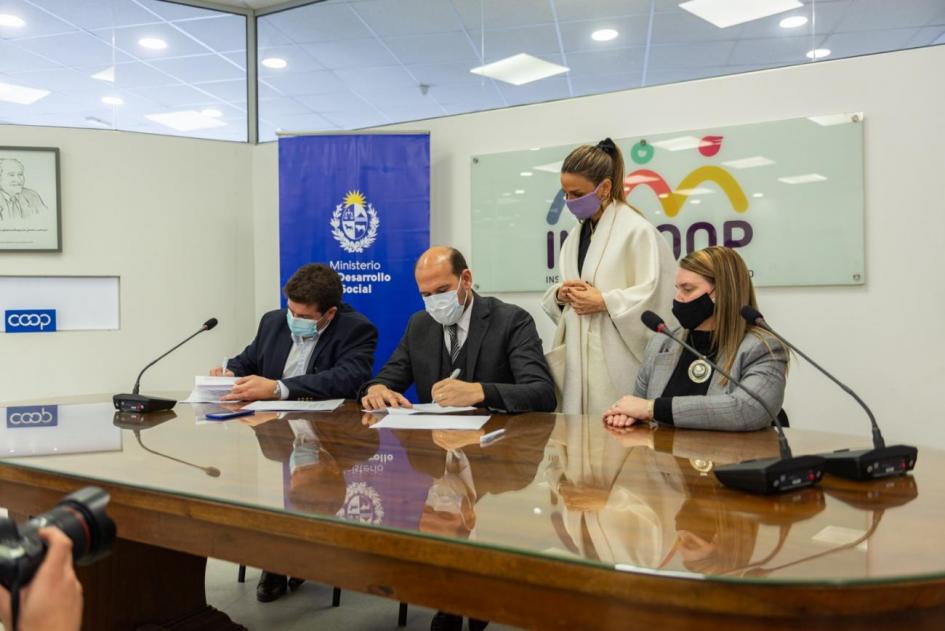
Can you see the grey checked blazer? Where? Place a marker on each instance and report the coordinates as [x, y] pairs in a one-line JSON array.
[[760, 367]]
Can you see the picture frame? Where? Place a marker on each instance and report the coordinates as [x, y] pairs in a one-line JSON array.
[[30, 200]]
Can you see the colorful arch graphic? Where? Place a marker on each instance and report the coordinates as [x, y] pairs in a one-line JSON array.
[[672, 201]]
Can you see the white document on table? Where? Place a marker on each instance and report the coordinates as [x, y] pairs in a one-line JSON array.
[[423, 408], [295, 406], [210, 389], [430, 421]]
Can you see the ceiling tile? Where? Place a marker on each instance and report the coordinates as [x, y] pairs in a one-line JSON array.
[[668, 57], [600, 9], [394, 18], [97, 14], [619, 61], [15, 60], [868, 42], [279, 107], [126, 39], [550, 89], [503, 13], [536, 40], [320, 22], [785, 50], [74, 49], [577, 35], [294, 84], [224, 33], [350, 53], [297, 58], [443, 47], [199, 68], [38, 21], [870, 15], [174, 11]]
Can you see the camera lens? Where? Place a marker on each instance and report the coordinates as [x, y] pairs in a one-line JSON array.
[[81, 515]]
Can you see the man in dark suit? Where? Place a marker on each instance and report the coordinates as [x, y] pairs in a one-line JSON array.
[[317, 348], [464, 349]]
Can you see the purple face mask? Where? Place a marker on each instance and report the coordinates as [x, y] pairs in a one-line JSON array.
[[585, 206]]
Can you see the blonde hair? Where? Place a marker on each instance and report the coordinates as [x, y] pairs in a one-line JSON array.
[[726, 270], [597, 163]]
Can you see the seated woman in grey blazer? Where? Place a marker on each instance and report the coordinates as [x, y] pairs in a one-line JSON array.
[[675, 387]]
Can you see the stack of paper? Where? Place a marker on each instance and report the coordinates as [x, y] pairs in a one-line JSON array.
[[423, 408], [210, 389], [295, 406], [430, 421]]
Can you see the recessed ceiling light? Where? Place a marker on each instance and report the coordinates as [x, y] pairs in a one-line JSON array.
[[106, 75], [520, 191], [276, 63], [113, 100], [152, 43], [212, 113], [807, 178], [604, 35], [818, 53], [695, 201], [793, 21], [11, 20], [725, 13], [526, 173], [187, 120], [757, 194], [12, 93], [520, 69]]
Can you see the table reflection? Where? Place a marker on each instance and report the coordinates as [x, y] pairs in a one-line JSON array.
[[48, 428]]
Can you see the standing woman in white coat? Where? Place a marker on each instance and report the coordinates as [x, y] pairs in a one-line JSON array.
[[614, 266]]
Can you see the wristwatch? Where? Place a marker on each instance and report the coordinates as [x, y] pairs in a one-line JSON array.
[[277, 392], [650, 407]]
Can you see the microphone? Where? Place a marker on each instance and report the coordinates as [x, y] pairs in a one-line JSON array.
[[135, 402], [862, 464], [767, 475], [213, 472]]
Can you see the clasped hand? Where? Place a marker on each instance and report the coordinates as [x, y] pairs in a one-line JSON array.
[[626, 411], [583, 297]]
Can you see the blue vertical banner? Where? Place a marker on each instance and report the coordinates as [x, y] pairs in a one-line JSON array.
[[361, 204]]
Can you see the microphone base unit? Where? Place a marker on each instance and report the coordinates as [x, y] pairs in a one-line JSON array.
[[141, 403], [772, 475], [871, 464]]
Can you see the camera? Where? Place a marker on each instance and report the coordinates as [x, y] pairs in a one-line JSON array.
[[80, 515]]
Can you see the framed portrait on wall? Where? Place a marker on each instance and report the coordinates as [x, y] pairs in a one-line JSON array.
[[30, 218]]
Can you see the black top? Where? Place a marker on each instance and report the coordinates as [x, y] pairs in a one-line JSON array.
[[680, 385], [586, 231]]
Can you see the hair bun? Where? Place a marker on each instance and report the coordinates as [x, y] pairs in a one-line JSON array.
[[607, 146]]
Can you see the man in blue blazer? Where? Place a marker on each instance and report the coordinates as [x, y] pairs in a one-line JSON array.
[[317, 348]]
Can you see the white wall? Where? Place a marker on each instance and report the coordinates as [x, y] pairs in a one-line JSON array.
[[172, 218], [856, 331]]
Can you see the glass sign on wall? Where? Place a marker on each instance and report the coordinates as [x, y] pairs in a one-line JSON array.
[[788, 195]]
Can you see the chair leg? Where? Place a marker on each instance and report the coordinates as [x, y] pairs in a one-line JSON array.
[[402, 615], [241, 576], [335, 597]]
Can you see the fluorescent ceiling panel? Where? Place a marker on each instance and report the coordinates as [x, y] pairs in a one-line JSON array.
[[807, 178], [187, 120], [520, 69], [749, 163], [725, 13], [12, 93]]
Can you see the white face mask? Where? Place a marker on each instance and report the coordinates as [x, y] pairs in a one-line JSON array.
[[445, 308]]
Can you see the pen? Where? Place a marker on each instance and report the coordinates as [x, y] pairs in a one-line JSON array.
[[454, 374], [224, 366], [491, 437]]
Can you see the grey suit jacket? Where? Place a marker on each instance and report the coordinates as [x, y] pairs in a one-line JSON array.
[[760, 366], [503, 353]]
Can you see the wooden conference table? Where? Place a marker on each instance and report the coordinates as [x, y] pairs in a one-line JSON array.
[[560, 524]]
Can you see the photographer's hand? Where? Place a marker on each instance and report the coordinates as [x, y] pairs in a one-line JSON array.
[[53, 599]]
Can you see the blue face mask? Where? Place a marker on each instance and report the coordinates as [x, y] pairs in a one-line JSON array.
[[446, 308], [301, 327]]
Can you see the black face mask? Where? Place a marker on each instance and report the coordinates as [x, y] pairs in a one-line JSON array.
[[693, 313]]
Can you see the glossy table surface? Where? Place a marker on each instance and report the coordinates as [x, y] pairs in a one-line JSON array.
[[554, 486]]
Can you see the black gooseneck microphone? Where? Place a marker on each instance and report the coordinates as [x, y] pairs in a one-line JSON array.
[[135, 402], [862, 464], [768, 475]]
